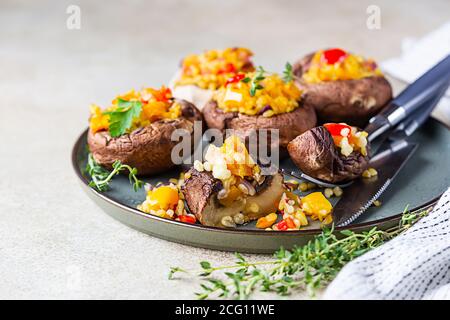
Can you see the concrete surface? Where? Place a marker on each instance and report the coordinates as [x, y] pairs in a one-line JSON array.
[[54, 242]]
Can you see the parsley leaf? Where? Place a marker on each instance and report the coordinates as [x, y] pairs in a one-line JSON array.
[[121, 119], [287, 73]]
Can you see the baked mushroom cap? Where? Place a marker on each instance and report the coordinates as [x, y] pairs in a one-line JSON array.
[[351, 101], [316, 155], [289, 124], [147, 149], [200, 192]]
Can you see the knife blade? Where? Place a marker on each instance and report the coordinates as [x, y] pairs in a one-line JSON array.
[[362, 193]]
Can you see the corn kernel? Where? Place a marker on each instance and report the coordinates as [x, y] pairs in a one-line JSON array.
[[311, 185], [303, 187], [366, 174], [338, 191], [328, 192]]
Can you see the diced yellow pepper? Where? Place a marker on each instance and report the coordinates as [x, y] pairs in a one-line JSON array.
[[316, 203], [98, 120], [165, 196], [267, 221]]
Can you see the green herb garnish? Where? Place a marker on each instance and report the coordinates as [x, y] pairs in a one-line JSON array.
[[288, 76], [101, 177], [121, 119], [309, 267], [259, 76]]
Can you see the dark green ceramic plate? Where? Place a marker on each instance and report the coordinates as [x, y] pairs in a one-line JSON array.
[[424, 178]]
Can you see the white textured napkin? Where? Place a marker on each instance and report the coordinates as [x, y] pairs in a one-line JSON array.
[[414, 265], [419, 55]]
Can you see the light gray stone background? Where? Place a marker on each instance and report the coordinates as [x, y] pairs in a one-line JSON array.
[[54, 242]]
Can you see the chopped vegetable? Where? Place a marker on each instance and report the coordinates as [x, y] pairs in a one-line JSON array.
[[281, 226], [188, 218], [336, 64], [235, 79], [328, 192], [369, 173], [98, 121], [331, 56], [315, 204], [336, 129], [348, 138], [165, 196], [166, 201], [338, 191], [212, 69], [267, 221], [134, 110], [259, 93]]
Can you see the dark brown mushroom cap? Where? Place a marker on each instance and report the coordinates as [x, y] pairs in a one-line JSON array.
[[198, 191], [351, 101], [289, 124], [315, 154], [147, 149]]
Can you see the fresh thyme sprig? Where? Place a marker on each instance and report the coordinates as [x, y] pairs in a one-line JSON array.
[[288, 76], [255, 81], [308, 267], [102, 177]]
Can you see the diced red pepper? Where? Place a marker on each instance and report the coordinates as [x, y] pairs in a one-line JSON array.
[[229, 68], [187, 219], [282, 225], [332, 56], [235, 79], [336, 128]]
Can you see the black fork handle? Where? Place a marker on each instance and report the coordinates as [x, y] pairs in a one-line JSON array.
[[410, 99], [415, 120]]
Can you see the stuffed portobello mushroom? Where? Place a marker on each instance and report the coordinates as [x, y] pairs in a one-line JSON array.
[[228, 188], [136, 129], [201, 74], [341, 86], [258, 100], [333, 152]]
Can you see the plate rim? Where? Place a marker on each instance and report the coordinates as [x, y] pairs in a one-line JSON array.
[[135, 211]]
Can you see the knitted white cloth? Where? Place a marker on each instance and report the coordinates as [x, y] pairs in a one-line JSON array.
[[414, 265]]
